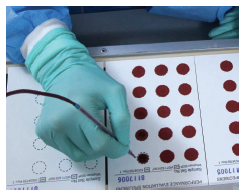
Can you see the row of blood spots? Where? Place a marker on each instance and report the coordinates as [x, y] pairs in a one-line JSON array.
[[232, 106], [166, 133], [161, 90], [163, 111], [167, 156]]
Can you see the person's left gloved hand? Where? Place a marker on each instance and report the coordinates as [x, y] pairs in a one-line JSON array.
[[63, 66], [229, 26]]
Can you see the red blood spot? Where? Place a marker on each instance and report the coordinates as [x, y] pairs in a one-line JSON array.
[[189, 131], [183, 69], [232, 106], [234, 127], [162, 91], [140, 113], [139, 92], [141, 135], [235, 149], [191, 154], [143, 158], [163, 111], [167, 156], [186, 110], [161, 70], [226, 66], [185, 89], [165, 133], [229, 85], [138, 71]]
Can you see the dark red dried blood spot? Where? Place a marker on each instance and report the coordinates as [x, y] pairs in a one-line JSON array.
[[165, 133], [183, 69], [163, 111], [138, 71], [186, 110], [189, 131], [161, 70], [143, 158], [235, 149], [162, 91], [141, 135], [234, 127], [191, 154], [226, 66], [139, 92], [232, 106], [167, 156], [229, 85], [185, 89], [140, 113]]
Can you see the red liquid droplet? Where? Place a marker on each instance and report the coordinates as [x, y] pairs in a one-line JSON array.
[[234, 127], [140, 113], [185, 89], [191, 154], [232, 106], [226, 66], [161, 70], [186, 110], [167, 156], [143, 158], [162, 91], [139, 92], [141, 135], [165, 133], [163, 111], [189, 131], [235, 149], [138, 71], [183, 69], [229, 85]]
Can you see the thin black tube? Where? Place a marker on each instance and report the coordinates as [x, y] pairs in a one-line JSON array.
[[40, 93]]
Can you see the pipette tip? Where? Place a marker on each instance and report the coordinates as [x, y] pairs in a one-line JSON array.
[[131, 153]]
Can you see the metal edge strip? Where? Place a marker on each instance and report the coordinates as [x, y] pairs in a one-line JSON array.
[[169, 47]]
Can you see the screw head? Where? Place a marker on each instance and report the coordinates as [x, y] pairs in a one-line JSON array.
[[103, 50]]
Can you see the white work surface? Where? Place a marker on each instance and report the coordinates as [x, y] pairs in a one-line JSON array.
[[32, 164]]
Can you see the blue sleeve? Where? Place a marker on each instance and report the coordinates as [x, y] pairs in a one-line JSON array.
[[201, 13], [21, 20]]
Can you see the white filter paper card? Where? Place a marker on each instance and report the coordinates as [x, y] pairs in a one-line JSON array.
[[218, 84], [166, 133], [30, 163]]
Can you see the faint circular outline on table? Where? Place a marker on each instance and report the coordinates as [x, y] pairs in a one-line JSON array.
[[67, 169], [45, 167], [96, 163], [35, 142]]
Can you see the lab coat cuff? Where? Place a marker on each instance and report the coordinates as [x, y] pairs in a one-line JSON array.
[[38, 33]]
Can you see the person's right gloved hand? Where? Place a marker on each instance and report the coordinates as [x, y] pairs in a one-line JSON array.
[[229, 26], [63, 66]]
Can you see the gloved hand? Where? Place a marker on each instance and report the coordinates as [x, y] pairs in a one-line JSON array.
[[229, 26], [63, 66]]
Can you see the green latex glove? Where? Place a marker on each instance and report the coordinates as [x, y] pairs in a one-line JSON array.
[[229, 26], [63, 66]]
